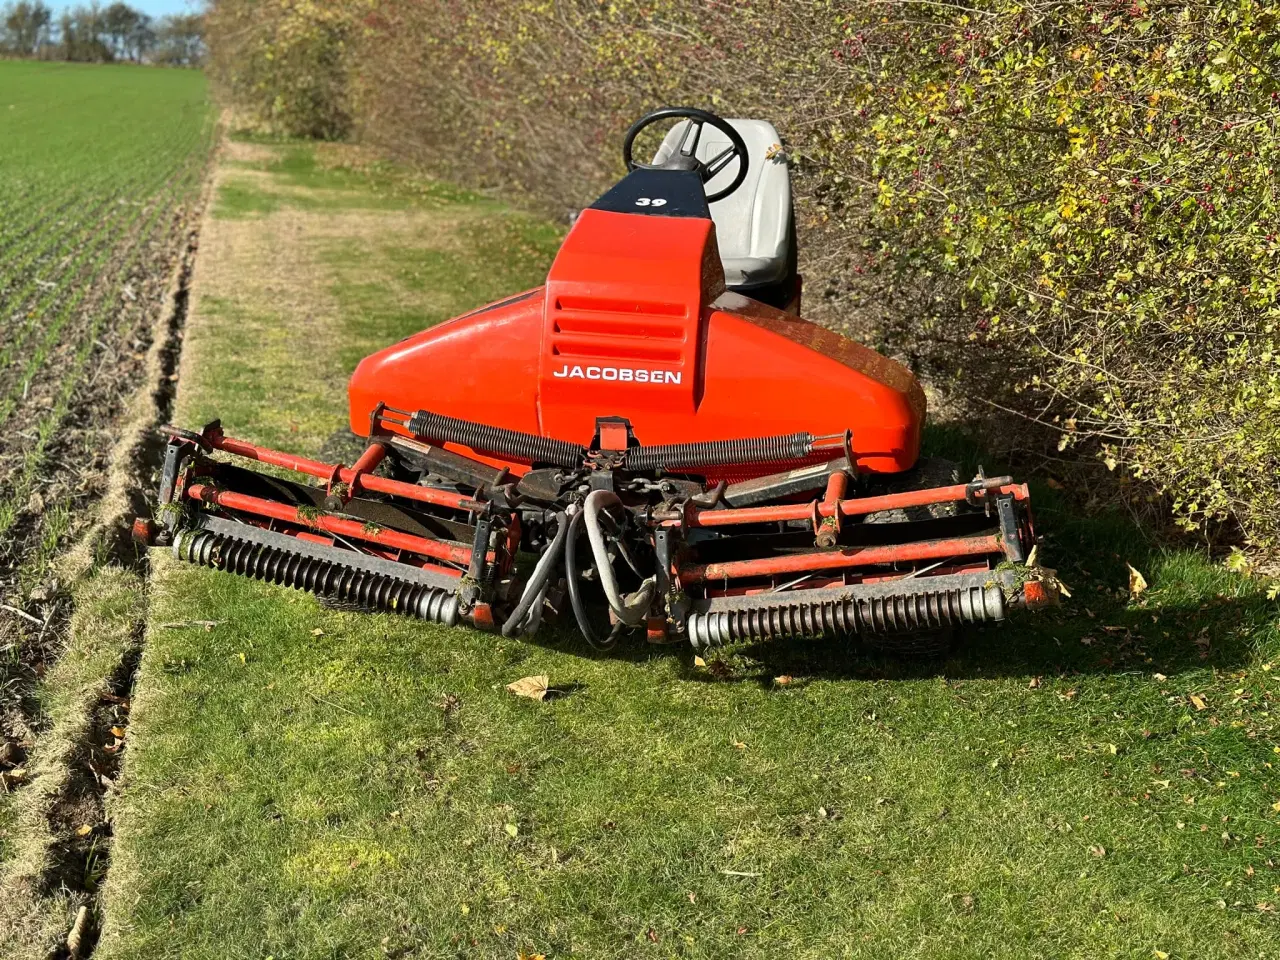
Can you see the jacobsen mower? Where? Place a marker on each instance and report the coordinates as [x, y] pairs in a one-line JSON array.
[[655, 427]]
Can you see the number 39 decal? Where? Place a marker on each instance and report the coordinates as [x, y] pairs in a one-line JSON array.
[[651, 202]]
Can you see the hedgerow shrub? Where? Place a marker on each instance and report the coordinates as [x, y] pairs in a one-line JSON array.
[[1064, 210], [285, 63]]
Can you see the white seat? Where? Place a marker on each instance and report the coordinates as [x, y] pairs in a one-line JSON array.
[[753, 224]]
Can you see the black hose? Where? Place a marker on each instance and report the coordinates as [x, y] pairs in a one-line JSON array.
[[575, 589], [541, 573]]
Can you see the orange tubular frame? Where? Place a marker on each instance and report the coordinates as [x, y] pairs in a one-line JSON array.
[[857, 507], [357, 478], [345, 528], [841, 559]]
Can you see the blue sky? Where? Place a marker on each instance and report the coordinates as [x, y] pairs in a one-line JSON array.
[[156, 8]]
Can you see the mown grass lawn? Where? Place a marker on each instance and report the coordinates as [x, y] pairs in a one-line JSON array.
[[302, 782]]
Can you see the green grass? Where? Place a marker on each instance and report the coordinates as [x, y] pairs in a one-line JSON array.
[[305, 783], [7, 820], [301, 181]]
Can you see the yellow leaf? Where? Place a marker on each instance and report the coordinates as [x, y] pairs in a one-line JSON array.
[[84, 830], [1160, 955], [1197, 701], [535, 688], [464, 909], [1276, 806], [317, 632], [242, 658], [1137, 582], [699, 662], [118, 732]]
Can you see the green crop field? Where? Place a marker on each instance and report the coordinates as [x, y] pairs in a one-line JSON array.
[[100, 167], [94, 163]]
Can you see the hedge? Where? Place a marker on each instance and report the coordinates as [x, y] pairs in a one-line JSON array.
[[1067, 211]]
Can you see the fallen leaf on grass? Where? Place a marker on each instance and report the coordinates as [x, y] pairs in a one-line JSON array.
[[84, 830], [1098, 851], [317, 632], [1159, 677], [785, 680], [1160, 955], [513, 831], [1137, 582], [529, 956], [118, 732], [1034, 684], [535, 688], [1197, 701], [699, 662]]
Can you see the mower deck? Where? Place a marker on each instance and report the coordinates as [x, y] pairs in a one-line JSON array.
[[444, 550]]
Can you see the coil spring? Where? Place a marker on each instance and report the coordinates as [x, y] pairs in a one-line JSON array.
[[326, 578], [683, 456], [511, 443], [863, 616]]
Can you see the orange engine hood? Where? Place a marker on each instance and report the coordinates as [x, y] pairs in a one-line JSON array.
[[634, 321]]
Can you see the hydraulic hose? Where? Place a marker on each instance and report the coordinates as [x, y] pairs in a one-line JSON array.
[[632, 614], [539, 578], [534, 619], [575, 588]]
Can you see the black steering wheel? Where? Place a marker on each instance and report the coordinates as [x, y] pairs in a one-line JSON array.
[[686, 155]]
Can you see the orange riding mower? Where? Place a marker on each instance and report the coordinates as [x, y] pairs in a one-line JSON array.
[[653, 439]]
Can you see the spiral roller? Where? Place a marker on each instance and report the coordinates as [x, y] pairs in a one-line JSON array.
[[326, 578], [862, 616]]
